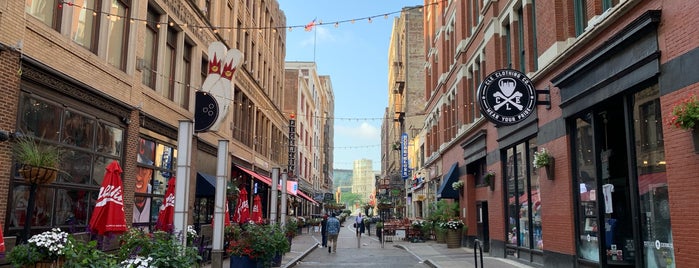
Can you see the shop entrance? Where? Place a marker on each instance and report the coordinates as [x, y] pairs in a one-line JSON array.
[[605, 220], [621, 196], [482, 224]]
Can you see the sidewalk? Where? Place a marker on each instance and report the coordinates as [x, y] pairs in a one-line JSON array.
[[430, 253]]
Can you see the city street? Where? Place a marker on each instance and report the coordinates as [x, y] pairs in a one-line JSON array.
[[368, 254]]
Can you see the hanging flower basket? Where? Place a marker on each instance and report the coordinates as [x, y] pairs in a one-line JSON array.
[[38, 175], [686, 116]]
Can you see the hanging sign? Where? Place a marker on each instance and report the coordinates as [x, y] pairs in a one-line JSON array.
[[506, 97], [405, 173]]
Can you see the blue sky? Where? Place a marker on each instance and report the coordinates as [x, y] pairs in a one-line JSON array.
[[355, 56]]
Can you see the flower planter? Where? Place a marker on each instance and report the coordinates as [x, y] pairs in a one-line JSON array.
[[441, 236], [547, 170], [453, 238], [244, 262], [38, 175]]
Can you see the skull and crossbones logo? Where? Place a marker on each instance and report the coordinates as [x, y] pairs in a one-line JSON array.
[[507, 96]]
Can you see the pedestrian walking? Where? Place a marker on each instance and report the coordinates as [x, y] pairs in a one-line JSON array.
[[359, 224], [333, 228], [324, 230]]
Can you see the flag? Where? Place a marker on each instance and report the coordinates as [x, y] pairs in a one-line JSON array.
[[310, 25]]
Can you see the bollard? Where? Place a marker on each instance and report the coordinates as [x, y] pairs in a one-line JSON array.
[[477, 247]]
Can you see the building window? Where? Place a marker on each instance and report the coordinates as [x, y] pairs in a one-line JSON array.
[[656, 224], [169, 59], [117, 34], [508, 45], [521, 40], [150, 53], [46, 11], [524, 228], [88, 145], [579, 9], [85, 22], [155, 167], [184, 88]]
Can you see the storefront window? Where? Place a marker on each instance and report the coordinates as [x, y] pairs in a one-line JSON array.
[[587, 186], [656, 230], [524, 205], [155, 168], [88, 144]]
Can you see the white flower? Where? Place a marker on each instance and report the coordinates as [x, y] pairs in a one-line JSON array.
[[457, 185], [137, 262], [53, 241], [190, 231], [542, 158]]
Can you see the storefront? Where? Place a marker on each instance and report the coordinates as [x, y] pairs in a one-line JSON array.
[[90, 130], [611, 102]]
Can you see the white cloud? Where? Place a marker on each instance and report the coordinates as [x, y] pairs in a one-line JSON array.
[[361, 133]]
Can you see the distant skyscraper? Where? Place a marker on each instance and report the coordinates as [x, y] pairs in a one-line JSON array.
[[363, 179]]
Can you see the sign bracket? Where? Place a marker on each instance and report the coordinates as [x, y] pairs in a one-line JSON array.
[[546, 93]]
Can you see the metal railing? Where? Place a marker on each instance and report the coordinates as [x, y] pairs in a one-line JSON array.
[[476, 249]]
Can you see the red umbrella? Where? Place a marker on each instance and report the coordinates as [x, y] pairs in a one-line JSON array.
[[167, 209], [108, 216], [2, 241], [242, 209], [256, 210], [226, 217]]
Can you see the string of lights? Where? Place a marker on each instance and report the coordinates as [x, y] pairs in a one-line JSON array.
[[335, 23]]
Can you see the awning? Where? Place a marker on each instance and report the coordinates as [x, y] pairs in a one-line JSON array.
[[307, 197], [206, 185], [290, 186], [446, 191]]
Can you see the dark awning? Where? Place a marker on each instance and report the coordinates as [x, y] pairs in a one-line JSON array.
[[206, 185], [445, 190]]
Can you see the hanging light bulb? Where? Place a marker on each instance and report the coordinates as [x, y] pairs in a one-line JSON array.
[[290, 29], [337, 24], [352, 21], [385, 16], [171, 24], [369, 20]]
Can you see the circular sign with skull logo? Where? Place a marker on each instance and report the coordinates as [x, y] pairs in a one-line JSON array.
[[506, 97]]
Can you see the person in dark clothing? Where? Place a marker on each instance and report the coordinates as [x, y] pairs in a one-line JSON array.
[[324, 231]]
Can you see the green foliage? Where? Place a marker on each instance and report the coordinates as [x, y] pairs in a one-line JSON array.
[[351, 198], [24, 255], [259, 242], [686, 114], [443, 211], [79, 253], [165, 248], [291, 227], [31, 152]]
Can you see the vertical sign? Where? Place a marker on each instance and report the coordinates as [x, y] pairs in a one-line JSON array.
[[292, 145], [404, 156]]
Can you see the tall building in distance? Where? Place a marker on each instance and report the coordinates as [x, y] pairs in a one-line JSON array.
[[363, 181]]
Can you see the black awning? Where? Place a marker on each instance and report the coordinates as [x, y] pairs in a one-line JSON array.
[[206, 185], [445, 190]]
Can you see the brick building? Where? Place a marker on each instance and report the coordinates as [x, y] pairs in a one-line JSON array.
[[620, 190], [110, 80]]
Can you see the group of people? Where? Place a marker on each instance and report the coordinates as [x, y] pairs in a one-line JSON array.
[[330, 228]]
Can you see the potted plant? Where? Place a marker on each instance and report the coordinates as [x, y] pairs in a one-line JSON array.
[[454, 229], [39, 162], [457, 185], [256, 244], [80, 253], [685, 116], [157, 249], [489, 179], [379, 229], [544, 159], [44, 248]]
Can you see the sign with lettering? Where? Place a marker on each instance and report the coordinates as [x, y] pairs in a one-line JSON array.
[[292, 146], [506, 97], [405, 169]]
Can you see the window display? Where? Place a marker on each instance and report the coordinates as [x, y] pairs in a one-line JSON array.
[[524, 227]]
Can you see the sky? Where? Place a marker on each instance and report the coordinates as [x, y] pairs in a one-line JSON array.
[[355, 56]]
